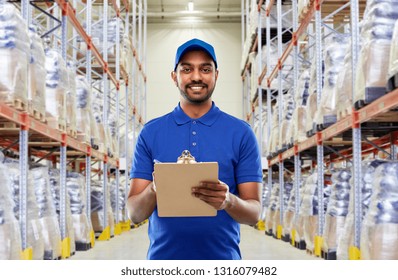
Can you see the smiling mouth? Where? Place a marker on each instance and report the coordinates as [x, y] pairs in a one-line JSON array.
[[196, 87]]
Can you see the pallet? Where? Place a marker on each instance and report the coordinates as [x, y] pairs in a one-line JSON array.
[[82, 137], [371, 94], [330, 255], [310, 252], [18, 104], [71, 132], [341, 114], [286, 238], [301, 245], [80, 246], [37, 115], [8, 124], [392, 83], [54, 123]]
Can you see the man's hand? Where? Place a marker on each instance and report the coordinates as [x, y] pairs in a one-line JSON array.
[[214, 194]]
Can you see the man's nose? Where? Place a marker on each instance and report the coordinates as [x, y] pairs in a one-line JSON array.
[[196, 75]]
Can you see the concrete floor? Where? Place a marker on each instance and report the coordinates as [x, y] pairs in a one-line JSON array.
[[133, 245]]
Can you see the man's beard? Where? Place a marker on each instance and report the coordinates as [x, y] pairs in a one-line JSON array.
[[193, 100]]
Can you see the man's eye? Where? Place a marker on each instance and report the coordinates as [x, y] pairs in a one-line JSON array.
[[206, 70], [186, 70]]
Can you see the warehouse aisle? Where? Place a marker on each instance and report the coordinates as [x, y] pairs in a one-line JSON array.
[[132, 245]]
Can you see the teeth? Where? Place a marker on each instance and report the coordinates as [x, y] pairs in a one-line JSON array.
[[196, 88]]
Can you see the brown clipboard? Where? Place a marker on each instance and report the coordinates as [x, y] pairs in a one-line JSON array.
[[174, 182]]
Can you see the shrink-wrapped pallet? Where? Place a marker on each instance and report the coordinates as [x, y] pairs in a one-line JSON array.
[[373, 61], [56, 88], [380, 225], [70, 103], [285, 135], [14, 57], [10, 233], [263, 128], [119, 212], [334, 53], [76, 186], [98, 130], [337, 209], [55, 190], [47, 213], [298, 131], [272, 208], [99, 221], [344, 87], [309, 209], [287, 188], [83, 109], [366, 187], [393, 65], [35, 238], [37, 70]]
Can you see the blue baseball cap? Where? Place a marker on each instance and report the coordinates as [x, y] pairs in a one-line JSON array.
[[194, 45]]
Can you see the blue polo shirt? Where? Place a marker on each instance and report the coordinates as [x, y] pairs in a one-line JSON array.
[[216, 136]]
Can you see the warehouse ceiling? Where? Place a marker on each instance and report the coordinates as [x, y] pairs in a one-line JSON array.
[[207, 11]]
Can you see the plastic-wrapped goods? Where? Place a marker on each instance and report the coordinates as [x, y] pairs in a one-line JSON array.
[[112, 134], [55, 190], [14, 56], [83, 110], [47, 213], [271, 210], [56, 88], [273, 145], [10, 233], [309, 209], [288, 186], [298, 130], [70, 104], [344, 87], [97, 125], [97, 208], [312, 100], [266, 197], [121, 211], [35, 239], [334, 53], [302, 6], [76, 186], [380, 225], [285, 138], [125, 53], [393, 65], [337, 209], [377, 30], [261, 128], [37, 70], [347, 238]]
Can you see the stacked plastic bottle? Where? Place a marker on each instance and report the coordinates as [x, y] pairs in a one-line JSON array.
[[47, 213], [347, 239], [14, 55], [35, 239], [10, 233], [374, 58], [380, 225], [336, 48], [337, 209]]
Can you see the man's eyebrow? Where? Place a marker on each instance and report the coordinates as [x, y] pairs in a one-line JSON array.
[[190, 64]]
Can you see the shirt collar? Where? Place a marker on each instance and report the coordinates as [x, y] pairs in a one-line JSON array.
[[207, 119]]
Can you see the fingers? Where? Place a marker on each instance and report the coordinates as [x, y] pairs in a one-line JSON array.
[[215, 194]]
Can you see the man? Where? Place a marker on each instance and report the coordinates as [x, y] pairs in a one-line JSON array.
[[197, 125]]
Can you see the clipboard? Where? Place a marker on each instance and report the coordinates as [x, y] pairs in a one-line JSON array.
[[173, 188]]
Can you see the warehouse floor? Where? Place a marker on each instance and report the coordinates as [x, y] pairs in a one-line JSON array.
[[133, 245]]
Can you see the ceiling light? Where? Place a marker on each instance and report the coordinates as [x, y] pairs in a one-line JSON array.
[[190, 6]]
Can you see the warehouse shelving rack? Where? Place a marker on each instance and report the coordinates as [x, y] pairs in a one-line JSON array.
[[322, 146], [39, 140]]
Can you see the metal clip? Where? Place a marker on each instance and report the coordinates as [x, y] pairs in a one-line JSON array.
[[186, 157]]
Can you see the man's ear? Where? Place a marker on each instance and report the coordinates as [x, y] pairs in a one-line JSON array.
[[174, 77]]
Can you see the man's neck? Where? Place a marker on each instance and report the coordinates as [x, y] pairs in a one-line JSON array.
[[195, 111]]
